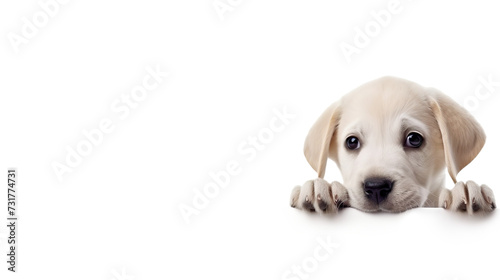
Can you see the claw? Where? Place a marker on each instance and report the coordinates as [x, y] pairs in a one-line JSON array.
[[475, 207], [463, 206], [340, 204], [323, 205], [308, 205]]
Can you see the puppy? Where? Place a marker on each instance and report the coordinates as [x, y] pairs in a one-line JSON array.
[[392, 140]]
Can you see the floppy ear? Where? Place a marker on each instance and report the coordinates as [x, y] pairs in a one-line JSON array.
[[319, 137], [462, 135]]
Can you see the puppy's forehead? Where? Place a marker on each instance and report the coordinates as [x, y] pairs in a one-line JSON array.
[[386, 99]]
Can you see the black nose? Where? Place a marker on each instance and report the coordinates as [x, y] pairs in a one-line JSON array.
[[377, 189]]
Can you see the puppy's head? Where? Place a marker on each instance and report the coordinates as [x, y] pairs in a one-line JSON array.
[[391, 140]]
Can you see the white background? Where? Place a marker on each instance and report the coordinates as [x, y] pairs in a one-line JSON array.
[[116, 215]]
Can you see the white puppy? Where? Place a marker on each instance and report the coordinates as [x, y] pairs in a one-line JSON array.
[[391, 140]]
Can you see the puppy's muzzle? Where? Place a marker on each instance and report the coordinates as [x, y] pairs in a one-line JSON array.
[[377, 189]]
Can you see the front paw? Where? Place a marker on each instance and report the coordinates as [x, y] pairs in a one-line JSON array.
[[468, 197], [319, 196]]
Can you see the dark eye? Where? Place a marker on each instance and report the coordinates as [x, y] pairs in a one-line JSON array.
[[414, 140], [352, 143]]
